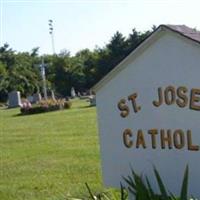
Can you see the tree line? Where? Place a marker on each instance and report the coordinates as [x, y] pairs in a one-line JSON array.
[[20, 70]]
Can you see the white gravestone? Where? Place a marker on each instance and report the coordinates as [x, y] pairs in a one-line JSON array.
[[53, 95], [14, 99], [73, 94]]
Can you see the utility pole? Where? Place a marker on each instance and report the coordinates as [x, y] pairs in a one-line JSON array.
[[42, 68], [51, 32]]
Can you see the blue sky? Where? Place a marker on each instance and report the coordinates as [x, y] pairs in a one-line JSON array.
[[80, 24]]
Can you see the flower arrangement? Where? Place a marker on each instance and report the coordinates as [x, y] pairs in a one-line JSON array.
[[44, 106]]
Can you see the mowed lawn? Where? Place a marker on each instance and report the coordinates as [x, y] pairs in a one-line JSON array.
[[49, 156]]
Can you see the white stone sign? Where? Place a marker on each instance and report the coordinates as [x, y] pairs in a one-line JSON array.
[[149, 113]]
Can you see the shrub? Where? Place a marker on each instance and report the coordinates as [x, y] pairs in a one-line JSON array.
[[141, 189], [67, 104]]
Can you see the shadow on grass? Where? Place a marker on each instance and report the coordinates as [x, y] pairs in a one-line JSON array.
[[25, 115], [84, 107]]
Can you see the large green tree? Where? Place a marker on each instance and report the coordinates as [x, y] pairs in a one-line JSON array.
[[17, 72], [21, 71]]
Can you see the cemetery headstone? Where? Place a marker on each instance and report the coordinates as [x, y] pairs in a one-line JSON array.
[[92, 100], [73, 94], [52, 95], [14, 99], [30, 99], [37, 97]]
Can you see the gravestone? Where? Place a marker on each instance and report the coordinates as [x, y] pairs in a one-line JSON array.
[[37, 97], [73, 94], [30, 99], [14, 99], [92, 99], [53, 95]]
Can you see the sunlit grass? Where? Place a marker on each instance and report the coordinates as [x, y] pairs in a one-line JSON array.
[[50, 155]]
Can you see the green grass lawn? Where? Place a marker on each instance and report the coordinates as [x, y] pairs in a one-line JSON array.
[[49, 156]]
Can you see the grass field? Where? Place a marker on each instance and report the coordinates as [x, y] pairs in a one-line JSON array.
[[49, 156]]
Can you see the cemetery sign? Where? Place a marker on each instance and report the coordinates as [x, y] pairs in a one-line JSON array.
[[149, 110]]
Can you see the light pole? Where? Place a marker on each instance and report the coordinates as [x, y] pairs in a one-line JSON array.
[[52, 34], [42, 68]]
